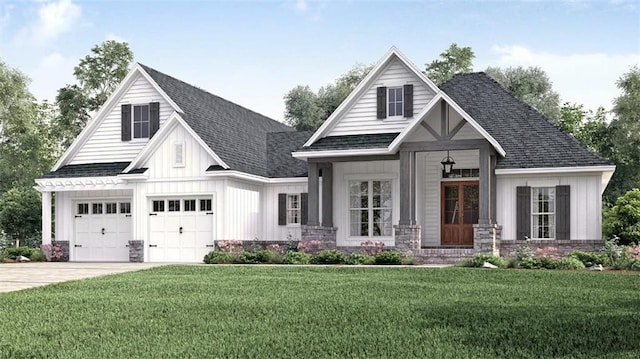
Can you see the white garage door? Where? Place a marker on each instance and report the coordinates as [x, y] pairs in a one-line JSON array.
[[180, 229], [103, 230]]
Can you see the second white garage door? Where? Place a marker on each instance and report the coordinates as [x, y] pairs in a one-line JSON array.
[[180, 229]]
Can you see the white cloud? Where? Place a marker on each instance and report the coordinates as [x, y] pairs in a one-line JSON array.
[[311, 10], [54, 19], [587, 78], [52, 72]]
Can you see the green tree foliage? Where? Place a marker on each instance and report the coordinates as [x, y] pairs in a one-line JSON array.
[[623, 220], [531, 85], [454, 60], [306, 110], [98, 74], [625, 136], [20, 215], [591, 128], [25, 145]]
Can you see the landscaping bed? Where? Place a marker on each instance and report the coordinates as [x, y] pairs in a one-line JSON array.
[[323, 312]]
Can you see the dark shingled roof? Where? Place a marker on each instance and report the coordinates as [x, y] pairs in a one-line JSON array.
[[279, 148], [88, 170], [529, 139], [352, 142], [236, 134]]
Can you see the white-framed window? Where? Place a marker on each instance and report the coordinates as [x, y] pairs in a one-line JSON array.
[[158, 206], [125, 207], [112, 208], [140, 121], [189, 205], [370, 208], [395, 97], [178, 154], [543, 208], [205, 205], [174, 205], [96, 208], [83, 208], [293, 209]]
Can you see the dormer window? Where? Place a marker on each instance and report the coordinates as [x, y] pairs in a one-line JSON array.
[[396, 101], [394, 98], [141, 121]]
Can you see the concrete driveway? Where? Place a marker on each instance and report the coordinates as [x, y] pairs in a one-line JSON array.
[[17, 276]]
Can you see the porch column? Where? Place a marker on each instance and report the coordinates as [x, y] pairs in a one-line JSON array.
[[492, 175], [485, 186], [327, 195], [312, 199], [407, 188], [46, 217]]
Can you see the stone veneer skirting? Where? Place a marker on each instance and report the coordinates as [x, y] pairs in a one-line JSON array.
[[565, 246], [486, 238], [136, 251], [64, 246], [325, 235]]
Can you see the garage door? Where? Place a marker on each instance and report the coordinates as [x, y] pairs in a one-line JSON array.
[[103, 230], [180, 229]]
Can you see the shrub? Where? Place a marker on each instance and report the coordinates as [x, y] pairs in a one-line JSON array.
[[268, 256], [523, 252], [634, 252], [218, 257], [569, 263], [34, 254], [634, 265], [332, 256], [616, 255], [589, 259], [389, 257], [359, 258], [622, 221], [296, 258], [372, 248], [309, 246], [478, 260], [410, 261], [20, 215], [547, 252]]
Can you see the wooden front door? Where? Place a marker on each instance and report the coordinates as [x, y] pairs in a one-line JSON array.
[[459, 211]]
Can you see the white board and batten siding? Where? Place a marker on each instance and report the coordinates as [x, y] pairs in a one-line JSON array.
[[585, 207], [361, 117], [272, 231], [105, 143], [243, 216], [343, 172]]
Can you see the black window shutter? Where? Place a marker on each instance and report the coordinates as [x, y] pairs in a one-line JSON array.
[[382, 102], [408, 100], [523, 212], [282, 209], [304, 209], [154, 118], [563, 212], [126, 123]]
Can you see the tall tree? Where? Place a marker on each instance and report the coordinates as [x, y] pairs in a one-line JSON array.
[[625, 134], [25, 151], [306, 110], [98, 74], [531, 85], [454, 60]]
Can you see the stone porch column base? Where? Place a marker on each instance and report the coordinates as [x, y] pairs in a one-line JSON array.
[[408, 237], [325, 235], [136, 251], [486, 238]]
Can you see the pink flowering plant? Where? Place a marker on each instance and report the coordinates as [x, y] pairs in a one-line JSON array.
[[312, 246], [634, 252], [232, 246], [276, 248], [371, 248], [52, 252]]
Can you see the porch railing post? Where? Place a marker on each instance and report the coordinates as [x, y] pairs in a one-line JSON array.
[[485, 185]]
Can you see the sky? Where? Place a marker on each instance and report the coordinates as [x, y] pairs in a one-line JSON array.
[[254, 52]]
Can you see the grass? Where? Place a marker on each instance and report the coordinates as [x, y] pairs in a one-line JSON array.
[[318, 312]]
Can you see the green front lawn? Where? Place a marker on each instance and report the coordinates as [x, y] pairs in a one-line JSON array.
[[316, 312]]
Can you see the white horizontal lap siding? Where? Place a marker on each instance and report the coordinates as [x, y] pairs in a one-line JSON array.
[[243, 211], [195, 158], [272, 231], [586, 202], [428, 204], [65, 210], [361, 117], [175, 189], [105, 143], [346, 171]]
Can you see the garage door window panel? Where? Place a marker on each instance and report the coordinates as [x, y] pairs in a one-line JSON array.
[[83, 208], [112, 208], [189, 205], [174, 205], [96, 208], [125, 208], [158, 206], [205, 205]]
